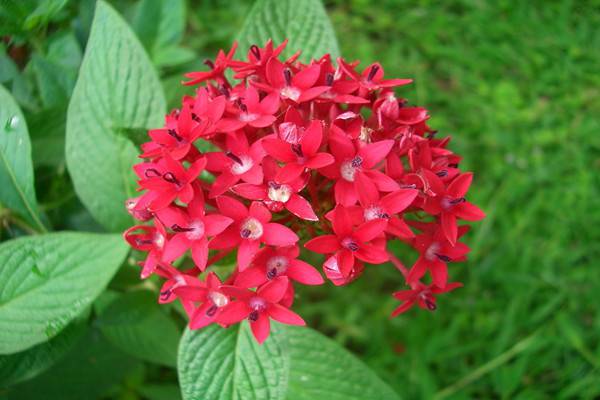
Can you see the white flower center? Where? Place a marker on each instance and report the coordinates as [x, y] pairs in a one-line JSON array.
[[279, 192], [196, 230], [251, 229], [248, 117], [243, 166], [218, 299], [348, 168], [276, 266], [431, 252], [375, 212], [290, 92], [257, 304]]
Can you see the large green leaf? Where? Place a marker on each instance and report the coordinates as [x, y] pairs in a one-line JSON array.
[[321, 369], [117, 91], [47, 280], [305, 23], [136, 323], [88, 371], [16, 170], [217, 363], [25, 365]]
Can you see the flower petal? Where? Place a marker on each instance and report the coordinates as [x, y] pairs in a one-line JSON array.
[[273, 290], [233, 312], [300, 207], [246, 251], [449, 227], [324, 244], [373, 153], [304, 273], [261, 328], [311, 140], [460, 185], [399, 200], [286, 316], [370, 230], [278, 235], [216, 223], [232, 208]]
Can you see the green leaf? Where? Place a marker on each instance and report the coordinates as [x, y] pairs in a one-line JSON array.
[[54, 82], [16, 170], [88, 371], [47, 129], [305, 23], [161, 39], [18, 367], [136, 324], [47, 280], [44, 13], [217, 363], [117, 88], [321, 369]]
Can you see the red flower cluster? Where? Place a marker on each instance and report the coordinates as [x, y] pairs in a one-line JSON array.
[[281, 133]]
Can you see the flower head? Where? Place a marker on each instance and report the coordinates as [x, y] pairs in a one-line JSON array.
[[286, 158]]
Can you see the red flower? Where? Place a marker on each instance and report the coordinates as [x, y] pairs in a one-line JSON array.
[[211, 298], [350, 162], [277, 195], [249, 229], [272, 262], [421, 295], [167, 180], [372, 77], [298, 88], [434, 253], [300, 156], [251, 111], [249, 165], [217, 69], [452, 204], [192, 229], [349, 243], [257, 307], [239, 161], [152, 239]]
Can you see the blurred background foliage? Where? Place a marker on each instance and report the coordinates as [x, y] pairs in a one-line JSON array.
[[516, 84]]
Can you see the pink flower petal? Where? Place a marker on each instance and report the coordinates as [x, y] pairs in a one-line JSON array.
[[373, 153], [232, 208], [304, 273], [311, 141], [216, 223], [175, 247], [278, 235], [325, 244], [273, 290], [449, 227], [233, 312], [281, 314], [250, 191], [399, 200], [300, 207], [261, 328], [370, 230], [246, 252], [460, 185]]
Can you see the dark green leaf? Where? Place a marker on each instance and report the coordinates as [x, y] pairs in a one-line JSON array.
[[305, 23], [321, 369], [88, 371], [137, 324], [47, 280], [117, 87], [16, 170], [161, 392], [25, 365], [217, 363]]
